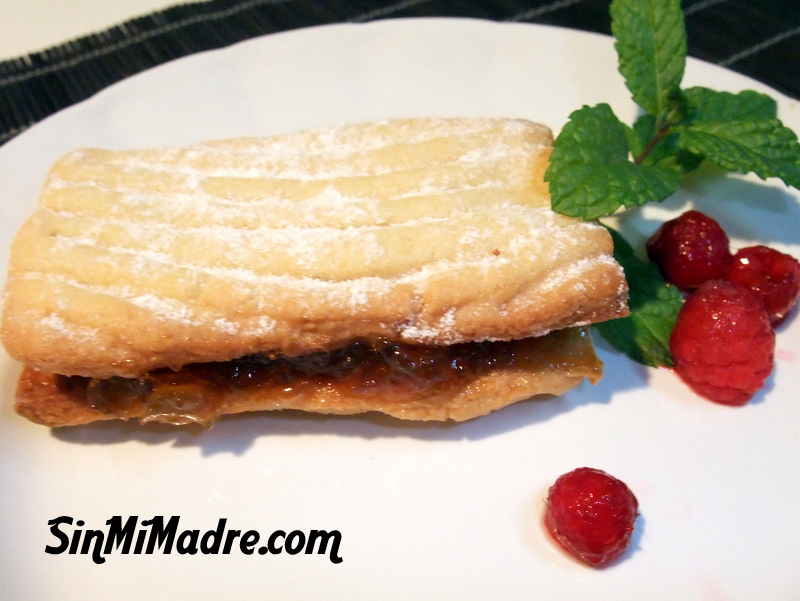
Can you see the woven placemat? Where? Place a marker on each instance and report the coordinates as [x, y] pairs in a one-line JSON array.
[[760, 39]]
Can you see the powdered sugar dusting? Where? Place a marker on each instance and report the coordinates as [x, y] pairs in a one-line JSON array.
[[162, 308], [353, 217], [423, 332], [59, 328]]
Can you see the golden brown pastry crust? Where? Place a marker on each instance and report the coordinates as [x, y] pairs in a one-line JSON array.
[[430, 231], [552, 364]]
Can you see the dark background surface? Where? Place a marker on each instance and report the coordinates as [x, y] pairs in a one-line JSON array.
[[759, 38]]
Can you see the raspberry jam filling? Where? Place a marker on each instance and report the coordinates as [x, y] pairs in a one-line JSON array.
[[195, 393]]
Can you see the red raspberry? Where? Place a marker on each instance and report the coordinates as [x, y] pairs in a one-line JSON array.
[[774, 277], [591, 515], [690, 249], [722, 343]]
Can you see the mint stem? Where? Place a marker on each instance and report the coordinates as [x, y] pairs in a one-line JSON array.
[[657, 137]]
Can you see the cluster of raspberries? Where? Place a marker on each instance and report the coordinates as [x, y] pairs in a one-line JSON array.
[[723, 345], [724, 340]]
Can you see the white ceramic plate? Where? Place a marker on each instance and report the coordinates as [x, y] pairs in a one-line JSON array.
[[425, 511]]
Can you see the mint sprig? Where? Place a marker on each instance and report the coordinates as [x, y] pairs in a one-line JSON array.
[[654, 305], [600, 165], [651, 44], [590, 174], [766, 148], [710, 105]]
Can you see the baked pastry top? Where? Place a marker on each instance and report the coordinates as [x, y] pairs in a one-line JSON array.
[[425, 231]]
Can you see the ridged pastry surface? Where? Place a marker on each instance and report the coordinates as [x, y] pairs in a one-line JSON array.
[[430, 231]]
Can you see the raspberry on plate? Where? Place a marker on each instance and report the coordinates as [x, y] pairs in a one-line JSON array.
[[773, 276], [591, 515], [723, 343], [690, 249]]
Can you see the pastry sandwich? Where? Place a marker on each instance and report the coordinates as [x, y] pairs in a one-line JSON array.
[[411, 267]]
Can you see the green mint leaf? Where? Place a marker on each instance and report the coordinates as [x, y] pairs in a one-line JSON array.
[[710, 105], [644, 130], [765, 147], [665, 153], [644, 334], [590, 174], [651, 43]]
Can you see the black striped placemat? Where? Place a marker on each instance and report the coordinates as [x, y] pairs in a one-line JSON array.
[[760, 39]]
